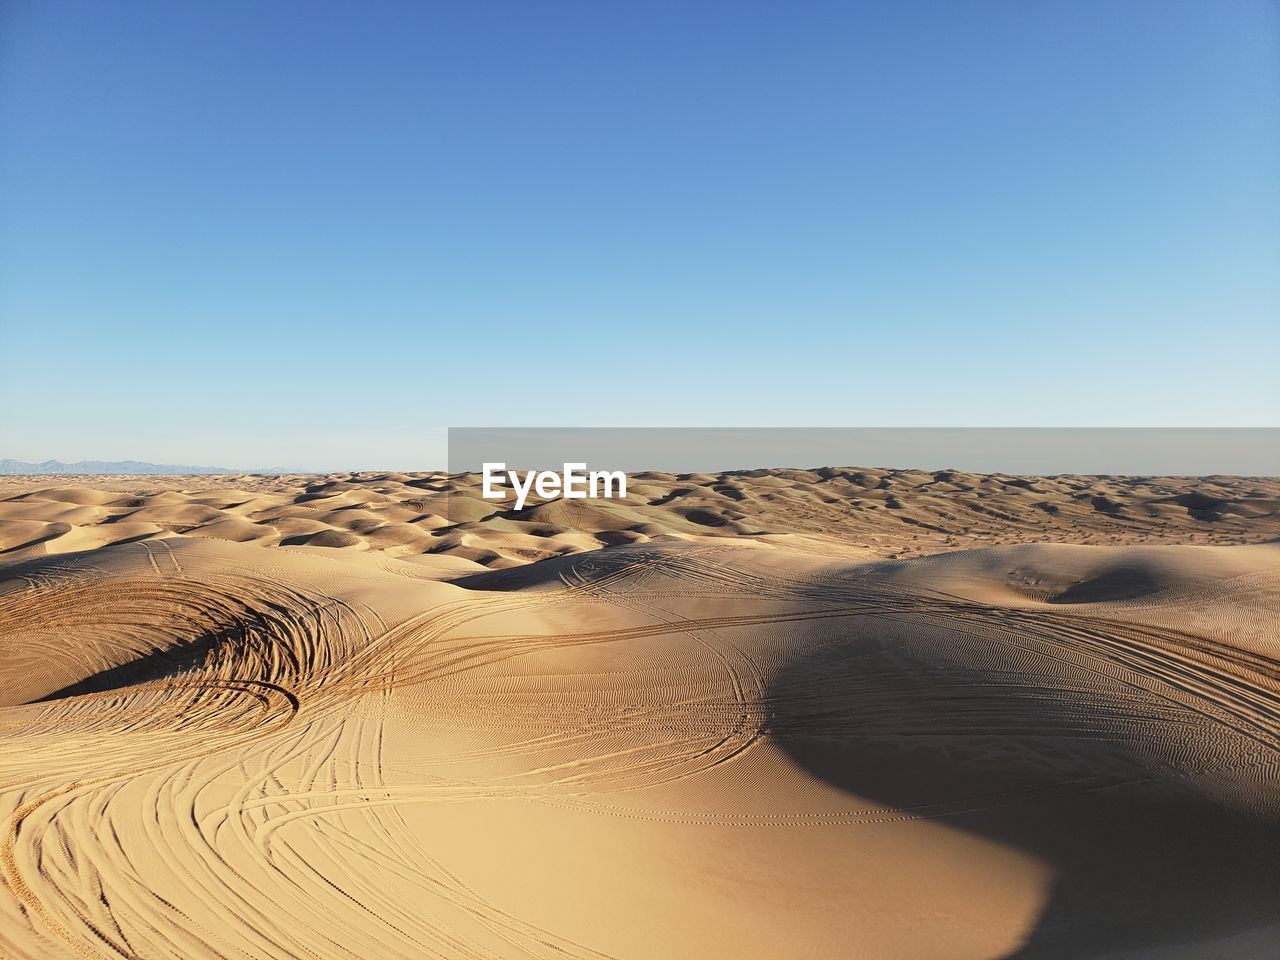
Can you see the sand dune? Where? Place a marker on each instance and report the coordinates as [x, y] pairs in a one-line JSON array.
[[789, 714], [883, 512]]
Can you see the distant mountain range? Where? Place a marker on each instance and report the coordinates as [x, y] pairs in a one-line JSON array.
[[54, 467]]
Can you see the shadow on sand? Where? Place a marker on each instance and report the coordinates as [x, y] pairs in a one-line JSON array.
[[1079, 776]]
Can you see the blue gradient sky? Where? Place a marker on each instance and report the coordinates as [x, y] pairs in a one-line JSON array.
[[312, 235]]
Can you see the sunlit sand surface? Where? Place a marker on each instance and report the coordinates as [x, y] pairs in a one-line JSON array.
[[784, 714]]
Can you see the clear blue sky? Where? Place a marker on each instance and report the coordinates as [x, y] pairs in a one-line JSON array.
[[312, 235]]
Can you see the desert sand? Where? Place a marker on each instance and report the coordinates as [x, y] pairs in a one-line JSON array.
[[842, 713]]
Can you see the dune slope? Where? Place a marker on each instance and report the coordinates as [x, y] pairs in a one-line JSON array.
[[779, 743]]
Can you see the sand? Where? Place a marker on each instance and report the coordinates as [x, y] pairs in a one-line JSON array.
[[848, 511], [837, 713]]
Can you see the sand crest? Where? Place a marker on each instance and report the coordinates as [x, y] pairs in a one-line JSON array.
[[839, 713]]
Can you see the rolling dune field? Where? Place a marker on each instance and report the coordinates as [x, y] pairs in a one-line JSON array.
[[843, 713]]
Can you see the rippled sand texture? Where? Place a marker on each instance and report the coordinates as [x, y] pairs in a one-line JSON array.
[[777, 742]]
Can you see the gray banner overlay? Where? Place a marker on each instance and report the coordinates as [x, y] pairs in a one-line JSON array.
[[1177, 451]]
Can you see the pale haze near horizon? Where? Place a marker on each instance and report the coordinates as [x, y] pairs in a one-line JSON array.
[[312, 236]]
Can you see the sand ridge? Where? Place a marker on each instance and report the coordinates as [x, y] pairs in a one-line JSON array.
[[886, 512], [802, 736]]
